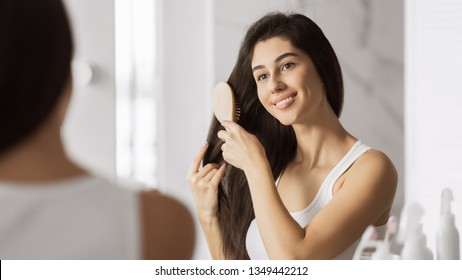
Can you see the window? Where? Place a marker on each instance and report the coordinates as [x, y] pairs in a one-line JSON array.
[[136, 118]]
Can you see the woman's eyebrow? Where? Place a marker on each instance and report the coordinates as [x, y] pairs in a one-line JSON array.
[[279, 58]]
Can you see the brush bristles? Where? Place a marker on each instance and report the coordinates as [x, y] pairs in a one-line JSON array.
[[237, 110]]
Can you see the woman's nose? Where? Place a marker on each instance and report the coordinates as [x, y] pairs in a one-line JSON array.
[[276, 84]]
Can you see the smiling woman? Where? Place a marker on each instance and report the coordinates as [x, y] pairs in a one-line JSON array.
[[295, 184], [278, 80]]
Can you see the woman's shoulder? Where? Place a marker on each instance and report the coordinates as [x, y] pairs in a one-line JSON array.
[[168, 227], [378, 160], [375, 167], [371, 184]]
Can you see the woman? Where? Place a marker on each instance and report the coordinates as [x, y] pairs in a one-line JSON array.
[[297, 184], [50, 207]]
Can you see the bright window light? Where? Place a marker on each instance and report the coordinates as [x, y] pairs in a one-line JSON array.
[[136, 118]]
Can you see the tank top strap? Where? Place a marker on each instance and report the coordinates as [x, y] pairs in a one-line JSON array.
[[353, 154]]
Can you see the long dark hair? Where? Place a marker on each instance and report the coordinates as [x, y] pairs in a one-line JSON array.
[[35, 55], [235, 209]]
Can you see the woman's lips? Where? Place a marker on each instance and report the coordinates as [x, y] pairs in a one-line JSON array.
[[284, 101]]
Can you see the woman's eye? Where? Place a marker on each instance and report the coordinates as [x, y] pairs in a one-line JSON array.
[[288, 66], [262, 77]]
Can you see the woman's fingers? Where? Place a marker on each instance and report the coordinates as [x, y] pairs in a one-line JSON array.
[[223, 135], [197, 160], [218, 175], [207, 169], [203, 176], [208, 177], [230, 126]]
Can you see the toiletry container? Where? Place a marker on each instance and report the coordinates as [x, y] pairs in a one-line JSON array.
[[367, 244], [412, 236], [383, 248], [415, 246], [447, 237], [383, 252]]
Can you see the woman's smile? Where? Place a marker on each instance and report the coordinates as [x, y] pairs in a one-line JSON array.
[[284, 101]]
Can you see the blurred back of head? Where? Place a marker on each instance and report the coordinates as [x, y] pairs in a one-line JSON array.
[[35, 54]]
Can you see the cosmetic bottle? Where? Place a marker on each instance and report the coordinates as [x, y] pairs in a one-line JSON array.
[[375, 243], [447, 237], [383, 252], [412, 236], [383, 248], [366, 245]]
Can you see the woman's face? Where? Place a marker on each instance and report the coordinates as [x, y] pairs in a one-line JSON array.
[[288, 84]]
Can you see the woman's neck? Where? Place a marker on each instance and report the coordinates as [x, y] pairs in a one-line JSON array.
[[40, 158], [321, 142]]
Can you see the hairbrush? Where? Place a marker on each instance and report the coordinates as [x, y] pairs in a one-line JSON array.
[[225, 105]]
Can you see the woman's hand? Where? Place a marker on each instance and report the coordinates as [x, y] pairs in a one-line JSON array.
[[204, 185], [240, 148]]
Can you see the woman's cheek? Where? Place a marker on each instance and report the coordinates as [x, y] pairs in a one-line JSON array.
[[264, 100]]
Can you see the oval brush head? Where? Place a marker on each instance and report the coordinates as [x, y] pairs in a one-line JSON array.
[[224, 104]]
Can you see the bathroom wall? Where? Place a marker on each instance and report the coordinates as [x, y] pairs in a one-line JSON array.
[[184, 51], [89, 130], [368, 36], [433, 101]]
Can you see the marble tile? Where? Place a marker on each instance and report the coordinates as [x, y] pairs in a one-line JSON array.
[[368, 36]]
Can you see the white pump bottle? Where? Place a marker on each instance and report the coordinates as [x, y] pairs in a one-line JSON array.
[[412, 236], [383, 251], [447, 238]]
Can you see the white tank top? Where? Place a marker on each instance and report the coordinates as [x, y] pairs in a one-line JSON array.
[[254, 243], [82, 218]]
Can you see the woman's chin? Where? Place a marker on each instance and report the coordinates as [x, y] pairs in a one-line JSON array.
[[286, 121]]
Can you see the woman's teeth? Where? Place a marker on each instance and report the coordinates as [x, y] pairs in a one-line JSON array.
[[284, 101]]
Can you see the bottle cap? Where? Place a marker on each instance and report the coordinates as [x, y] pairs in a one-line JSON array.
[[447, 218]]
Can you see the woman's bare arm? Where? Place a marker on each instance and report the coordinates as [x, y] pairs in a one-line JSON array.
[[364, 197]]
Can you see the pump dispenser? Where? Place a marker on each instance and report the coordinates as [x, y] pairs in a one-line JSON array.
[[375, 243], [367, 244], [411, 234], [383, 251], [447, 238]]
